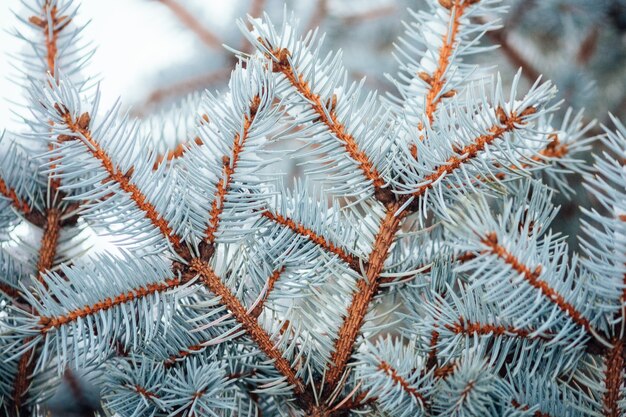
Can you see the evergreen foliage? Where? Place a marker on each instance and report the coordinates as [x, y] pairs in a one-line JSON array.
[[411, 270]]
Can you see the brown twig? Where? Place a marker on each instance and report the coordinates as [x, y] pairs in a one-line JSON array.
[[80, 126], [532, 277], [613, 379], [366, 289], [331, 120], [319, 240], [399, 380], [196, 266], [229, 165]]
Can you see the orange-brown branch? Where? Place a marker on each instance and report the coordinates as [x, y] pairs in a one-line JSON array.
[[255, 313], [18, 203], [49, 323], [51, 27], [328, 118], [509, 123], [81, 126], [250, 324], [613, 379], [393, 374], [23, 376], [271, 281], [49, 240], [10, 291], [436, 80], [141, 390], [463, 326], [532, 277], [319, 240], [229, 165], [47, 253], [361, 299]]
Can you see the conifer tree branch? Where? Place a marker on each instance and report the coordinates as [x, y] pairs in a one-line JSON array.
[[20, 205], [24, 375], [532, 277], [229, 165], [49, 240], [50, 323], [613, 379], [10, 291], [366, 290], [463, 326], [271, 282], [319, 240], [80, 127], [144, 392], [250, 324], [510, 122], [255, 313], [27, 362], [328, 118], [398, 379], [436, 80], [52, 25]]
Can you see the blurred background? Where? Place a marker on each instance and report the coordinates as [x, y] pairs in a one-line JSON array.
[[154, 53]]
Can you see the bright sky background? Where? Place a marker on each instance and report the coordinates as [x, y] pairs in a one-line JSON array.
[[134, 38]]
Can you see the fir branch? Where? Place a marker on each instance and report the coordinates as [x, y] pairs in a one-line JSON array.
[[366, 290], [524, 407], [269, 286], [51, 25], [49, 242], [319, 240], [613, 379], [509, 123], [54, 322], [24, 375], [437, 80], [490, 241], [21, 205], [282, 64], [256, 311], [229, 166], [467, 327], [397, 379], [263, 340], [80, 127]]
